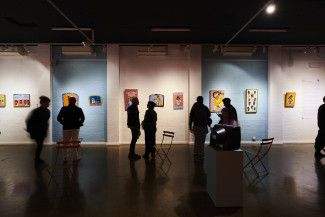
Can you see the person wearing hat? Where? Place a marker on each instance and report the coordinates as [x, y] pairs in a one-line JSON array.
[[149, 126]]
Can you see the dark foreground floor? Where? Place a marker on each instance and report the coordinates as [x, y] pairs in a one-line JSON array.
[[105, 183]]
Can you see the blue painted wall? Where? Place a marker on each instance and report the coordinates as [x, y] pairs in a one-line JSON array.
[[234, 76], [84, 76]]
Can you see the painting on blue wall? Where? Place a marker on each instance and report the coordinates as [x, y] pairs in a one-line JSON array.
[[251, 100], [95, 101], [66, 96], [216, 103], [158, 99]]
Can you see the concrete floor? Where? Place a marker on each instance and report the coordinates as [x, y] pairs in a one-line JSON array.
[[106, 183]]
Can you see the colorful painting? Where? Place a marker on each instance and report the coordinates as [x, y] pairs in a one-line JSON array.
[[95, 101], [178, 101], [66, 96], [216, 97], [158, 99], [290, 100], [251, 100], [21, 100], [2, 100], [129, 94]]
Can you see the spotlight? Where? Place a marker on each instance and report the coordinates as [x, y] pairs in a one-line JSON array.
[[270, 9]]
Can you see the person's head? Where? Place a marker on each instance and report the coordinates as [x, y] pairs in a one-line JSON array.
[[226, 102], [72, 100], [44, 101], [135, 101], [199, 99], [151, 105]]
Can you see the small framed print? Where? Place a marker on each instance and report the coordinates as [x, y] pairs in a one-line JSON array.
[[251, 100], [2, 100], [21, 100], [95, 100], [290, 100]]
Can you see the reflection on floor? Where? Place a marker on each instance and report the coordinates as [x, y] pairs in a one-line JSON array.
[[106, 183]]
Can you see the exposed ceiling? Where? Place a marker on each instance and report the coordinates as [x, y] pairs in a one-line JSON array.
[[130, 21]]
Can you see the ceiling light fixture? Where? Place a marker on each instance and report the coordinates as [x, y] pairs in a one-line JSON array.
[[270, 9]]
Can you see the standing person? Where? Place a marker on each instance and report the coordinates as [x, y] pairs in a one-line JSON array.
[[149, 126], [37, 126], [72, 118], [199, 122], [134, 125], [320, 139]]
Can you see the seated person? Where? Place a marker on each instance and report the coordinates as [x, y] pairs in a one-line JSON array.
[[226, 118]]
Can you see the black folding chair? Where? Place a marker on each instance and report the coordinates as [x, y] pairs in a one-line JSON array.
[[165, 146], [255, 159]]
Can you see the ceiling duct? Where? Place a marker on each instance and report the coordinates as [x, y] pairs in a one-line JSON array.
[[78, 51], [156, 50], [238, 51], [14, 51]]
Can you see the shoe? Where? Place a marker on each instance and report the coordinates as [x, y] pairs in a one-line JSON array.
[[319, 154], [134, 157], [65, 160], [153, 155], [145, 156], [39, 161]]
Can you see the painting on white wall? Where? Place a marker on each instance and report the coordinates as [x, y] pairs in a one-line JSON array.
[[178, 101], [66, 96], [21, 100], [129, 94], [216, 103], [158, 99], [290, 100], [251, 100], [2, 100]]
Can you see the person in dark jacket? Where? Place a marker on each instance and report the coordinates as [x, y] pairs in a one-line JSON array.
[[231, 109], [37, 126], [133, 123], [72, 118], [149, 126], [320, 139], [198, 124]]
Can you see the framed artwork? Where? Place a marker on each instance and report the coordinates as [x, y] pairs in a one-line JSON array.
[[216, 97], [129, 94], [178, 101], [2, 100], [290, 99], [21, 100], [158, 99], [66, 96], [251, 100], [95, 101]]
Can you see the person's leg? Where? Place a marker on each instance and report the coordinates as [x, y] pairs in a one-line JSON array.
[[39, 142], [66, 138], [147, 143], [153, 144], [134, 132], [75, 137], [196, 140], [319, 144]]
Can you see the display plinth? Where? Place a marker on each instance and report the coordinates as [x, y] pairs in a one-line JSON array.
[[224, 177]]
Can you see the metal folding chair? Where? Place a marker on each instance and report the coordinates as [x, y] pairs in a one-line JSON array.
[[165, 146], [255, 159]]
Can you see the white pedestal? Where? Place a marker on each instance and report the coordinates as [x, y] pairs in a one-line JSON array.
[[224, 177]]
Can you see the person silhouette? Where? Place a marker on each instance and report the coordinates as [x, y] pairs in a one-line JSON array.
[[198, 125], [133, 123], [72, 118], [37, 126], [149, 126], [320, 139]]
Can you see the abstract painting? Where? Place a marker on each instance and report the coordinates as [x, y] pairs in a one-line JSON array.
[[21, 100], [178, 101], [2, 100], [95, 101], [216, 103], [158, 99], [290, 100], [251, 100], [66, 96], [129, 94]]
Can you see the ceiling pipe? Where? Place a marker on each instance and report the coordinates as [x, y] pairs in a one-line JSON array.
[[248, 22], [71, 22]]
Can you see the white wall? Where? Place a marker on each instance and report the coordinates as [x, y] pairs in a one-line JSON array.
[[289, 71], [162, 75], [23, 75]]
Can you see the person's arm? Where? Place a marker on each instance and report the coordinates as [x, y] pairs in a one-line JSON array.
[[60, 117], [82, 117], [191, 119]]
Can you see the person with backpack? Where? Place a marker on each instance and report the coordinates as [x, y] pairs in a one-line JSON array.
[[37, 126]]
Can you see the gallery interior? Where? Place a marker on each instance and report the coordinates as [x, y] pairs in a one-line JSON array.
[[268, 57]]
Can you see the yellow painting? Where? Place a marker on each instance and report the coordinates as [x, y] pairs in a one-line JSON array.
[[2, 100], [290, 100], [66, 96], [216, 97]]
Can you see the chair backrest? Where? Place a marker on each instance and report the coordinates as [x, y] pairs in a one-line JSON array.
[[265, 146], [168, 134]]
